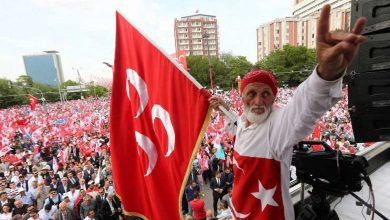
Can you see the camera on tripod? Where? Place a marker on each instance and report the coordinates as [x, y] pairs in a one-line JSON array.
[[329, 172]]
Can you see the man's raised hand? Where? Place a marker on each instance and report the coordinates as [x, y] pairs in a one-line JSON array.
[[336, 49]]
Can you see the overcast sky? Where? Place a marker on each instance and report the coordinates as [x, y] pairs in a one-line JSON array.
[[83, 31]]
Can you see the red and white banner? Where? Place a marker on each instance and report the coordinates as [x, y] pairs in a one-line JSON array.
[[180, 57], [157, 120], [33, 102]]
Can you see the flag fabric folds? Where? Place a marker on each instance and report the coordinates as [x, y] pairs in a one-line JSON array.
[[158, 116], [33, 102]]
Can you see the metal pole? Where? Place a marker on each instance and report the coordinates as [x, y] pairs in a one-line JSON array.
[[59, 92], [210, 65], [81, 92]]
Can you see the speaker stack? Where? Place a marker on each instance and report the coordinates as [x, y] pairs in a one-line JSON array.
[[369, 74]]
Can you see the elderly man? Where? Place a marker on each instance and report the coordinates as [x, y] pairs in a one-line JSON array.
[[19, 208], [64, 213], [86, 205], [265, 136], [53, 199], [26, 197], [72, 195]]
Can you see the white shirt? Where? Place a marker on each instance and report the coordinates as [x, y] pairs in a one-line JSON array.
[[225, 214], [39, 180], [48, 215], [72, 197]]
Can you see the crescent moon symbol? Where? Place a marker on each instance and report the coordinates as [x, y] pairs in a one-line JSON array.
[[163, 115], [239, 215], [140, 86], [147, 145], [181, 56]]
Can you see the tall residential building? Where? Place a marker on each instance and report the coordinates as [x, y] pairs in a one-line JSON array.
[[197, 35], [305, 14], [44, 68], [274, 35]]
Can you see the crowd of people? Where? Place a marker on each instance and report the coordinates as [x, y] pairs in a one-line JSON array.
[[55, 161]]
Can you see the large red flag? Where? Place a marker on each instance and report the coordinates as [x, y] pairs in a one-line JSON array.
[[33, 102], [157, 120]]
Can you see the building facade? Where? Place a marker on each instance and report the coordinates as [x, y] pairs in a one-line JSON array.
[[44, 68], [197, 35], [274, 35], [300, 30]]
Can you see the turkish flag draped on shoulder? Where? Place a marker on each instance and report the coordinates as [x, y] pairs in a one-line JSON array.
[[33, 102], [158, 117]]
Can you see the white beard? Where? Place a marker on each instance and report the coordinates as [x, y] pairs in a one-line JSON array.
[[257, 118]]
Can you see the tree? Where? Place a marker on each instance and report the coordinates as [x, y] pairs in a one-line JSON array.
[[199, 69], [96, 90], [292, 65], [237, 66], [9, 95], [24, 80], [225, 70]]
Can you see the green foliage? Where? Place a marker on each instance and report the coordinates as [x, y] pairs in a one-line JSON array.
[[292, 65], [237, 66], [24, 80], [8, 96], [225, 70], [16, 93], [96, 90]]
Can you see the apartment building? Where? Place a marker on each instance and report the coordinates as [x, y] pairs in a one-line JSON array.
[[272, 35], [197, 35], [275, 34]]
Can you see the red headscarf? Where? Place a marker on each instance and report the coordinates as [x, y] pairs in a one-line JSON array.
[[261, 76]]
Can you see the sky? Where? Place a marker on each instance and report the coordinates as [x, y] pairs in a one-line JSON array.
[[83, 31]]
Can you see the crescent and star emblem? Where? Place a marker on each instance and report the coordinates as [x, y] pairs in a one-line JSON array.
[[158, 112]]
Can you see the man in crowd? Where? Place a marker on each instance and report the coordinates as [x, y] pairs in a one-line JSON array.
[[64, 213], [88, 204], [198, 207], [217, 185], [190, 191], [265, 136], [19, 208]]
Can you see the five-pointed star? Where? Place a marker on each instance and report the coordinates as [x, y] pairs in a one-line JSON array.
[[265, 196]]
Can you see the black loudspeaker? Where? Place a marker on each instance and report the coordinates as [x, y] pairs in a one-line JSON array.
[[369, 74]]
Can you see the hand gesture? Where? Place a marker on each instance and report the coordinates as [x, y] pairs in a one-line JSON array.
[[336, 49]]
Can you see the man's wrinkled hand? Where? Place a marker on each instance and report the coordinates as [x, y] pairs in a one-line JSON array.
[[336, 49]]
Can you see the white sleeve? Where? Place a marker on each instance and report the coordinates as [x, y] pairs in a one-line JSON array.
[[295, 121], [230, 126]]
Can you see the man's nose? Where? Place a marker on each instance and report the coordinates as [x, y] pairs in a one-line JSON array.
[[259, 100]]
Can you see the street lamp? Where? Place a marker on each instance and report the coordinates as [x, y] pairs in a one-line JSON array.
[[107, 64], [59, 89], [205, 37], [78, 73]]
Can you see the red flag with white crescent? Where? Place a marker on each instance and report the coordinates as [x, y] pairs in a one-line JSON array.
[[33, 102], [157, 120], [180, 57]]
